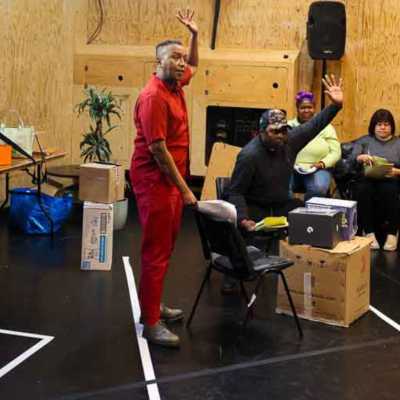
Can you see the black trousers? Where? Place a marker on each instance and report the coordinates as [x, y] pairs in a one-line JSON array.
[[377, 203]]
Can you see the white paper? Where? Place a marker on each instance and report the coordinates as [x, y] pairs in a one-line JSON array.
[[331, 202], [304, 170], [218, 209]]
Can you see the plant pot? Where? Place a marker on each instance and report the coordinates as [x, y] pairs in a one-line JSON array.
[[120, 214]]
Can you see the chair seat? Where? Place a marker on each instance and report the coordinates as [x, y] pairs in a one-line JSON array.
[[271, 262], [260, 261]]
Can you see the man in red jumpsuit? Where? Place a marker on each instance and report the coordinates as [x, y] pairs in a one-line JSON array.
[[160, 163]]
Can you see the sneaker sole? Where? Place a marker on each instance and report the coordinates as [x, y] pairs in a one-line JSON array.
[[173, 319], [164, 344]]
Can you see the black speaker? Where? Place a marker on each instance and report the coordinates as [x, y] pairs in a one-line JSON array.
[[326, 30]]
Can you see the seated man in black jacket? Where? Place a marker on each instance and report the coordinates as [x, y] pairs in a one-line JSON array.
[[260, 180]]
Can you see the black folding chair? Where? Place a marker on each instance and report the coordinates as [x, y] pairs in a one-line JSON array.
[[228, 254]]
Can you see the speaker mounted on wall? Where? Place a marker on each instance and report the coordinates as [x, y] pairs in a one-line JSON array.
[[326, 30]]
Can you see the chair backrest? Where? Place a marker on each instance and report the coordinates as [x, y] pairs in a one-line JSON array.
[[223, 238], [347, 171], [221, 183]]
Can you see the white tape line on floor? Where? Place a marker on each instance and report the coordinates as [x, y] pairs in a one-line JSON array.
[[147, 364], [44, 340], [385, 318]]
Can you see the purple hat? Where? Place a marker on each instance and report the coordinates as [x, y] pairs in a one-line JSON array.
[[304, 95]]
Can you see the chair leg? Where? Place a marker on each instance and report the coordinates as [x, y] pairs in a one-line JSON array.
[[205, 279], [244, 292], [247, 299], [252, 302], [291, 303]]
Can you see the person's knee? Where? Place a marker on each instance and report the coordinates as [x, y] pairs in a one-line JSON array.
[[318, 189]]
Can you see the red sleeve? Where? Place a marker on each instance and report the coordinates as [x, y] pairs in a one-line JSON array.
[[187, 76], [153, 118]]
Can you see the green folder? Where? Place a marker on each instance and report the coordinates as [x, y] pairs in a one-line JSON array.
[[379, 168]]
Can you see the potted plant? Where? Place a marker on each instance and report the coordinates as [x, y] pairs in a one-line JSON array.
[[101, 106]]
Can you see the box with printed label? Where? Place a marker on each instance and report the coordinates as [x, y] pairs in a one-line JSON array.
[[97, 236], [101, 183], [348, 208], [330, 286]]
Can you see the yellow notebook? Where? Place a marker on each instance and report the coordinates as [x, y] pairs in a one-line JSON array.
[[271, 223]]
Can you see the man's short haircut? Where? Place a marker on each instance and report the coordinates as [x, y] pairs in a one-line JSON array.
[[381, 115], [160, 46]]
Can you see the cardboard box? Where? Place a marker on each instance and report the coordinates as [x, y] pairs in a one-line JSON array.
[[348, 226], [318, 228], [97, 236], [101, 183], [222, 161], [330, 286], [57, 188]]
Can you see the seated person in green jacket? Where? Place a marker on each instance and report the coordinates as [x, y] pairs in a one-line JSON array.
[[313, 163]]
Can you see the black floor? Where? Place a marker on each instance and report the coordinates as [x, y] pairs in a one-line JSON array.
[[94, 353]]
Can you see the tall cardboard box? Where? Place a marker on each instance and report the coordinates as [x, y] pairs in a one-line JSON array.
[[101, 183], [97, 236], [327, 285]]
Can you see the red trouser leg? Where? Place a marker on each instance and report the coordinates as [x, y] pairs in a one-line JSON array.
[[160, 212]]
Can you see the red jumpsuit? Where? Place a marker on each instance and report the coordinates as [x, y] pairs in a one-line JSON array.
[[160, 113]]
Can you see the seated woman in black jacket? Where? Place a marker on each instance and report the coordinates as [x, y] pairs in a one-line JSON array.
[[379, 196]]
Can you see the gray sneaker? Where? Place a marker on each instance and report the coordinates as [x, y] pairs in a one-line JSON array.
[[159, 334], [170, 314]]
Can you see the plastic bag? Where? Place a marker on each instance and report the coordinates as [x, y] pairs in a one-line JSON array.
[[27, 215], [22, 135]]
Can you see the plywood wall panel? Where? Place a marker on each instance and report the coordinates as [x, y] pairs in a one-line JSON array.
[[371, 68], [36, 78], [242, 23], [41, 73], [5, 51], [134, 22], [263, 23]]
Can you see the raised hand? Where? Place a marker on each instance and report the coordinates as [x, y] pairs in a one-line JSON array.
[[333, 88], [186, 18]]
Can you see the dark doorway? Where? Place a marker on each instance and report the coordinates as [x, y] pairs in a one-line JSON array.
[[231, 125]]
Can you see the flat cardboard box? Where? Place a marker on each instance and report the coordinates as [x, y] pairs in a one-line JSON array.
[[101, 183], [97, 236], [57, 187], [221, 164], [329, 286]]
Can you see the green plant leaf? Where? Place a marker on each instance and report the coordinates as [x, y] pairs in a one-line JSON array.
[[101, 105]]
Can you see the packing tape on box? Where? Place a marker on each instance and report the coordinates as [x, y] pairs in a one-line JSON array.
[[308, 294]]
